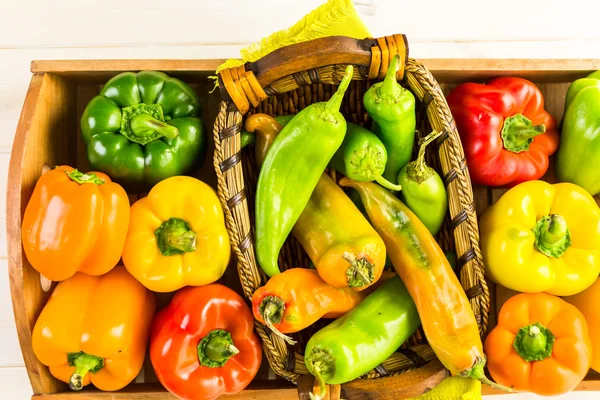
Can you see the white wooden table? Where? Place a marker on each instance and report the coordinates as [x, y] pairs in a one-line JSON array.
[[191, 29]]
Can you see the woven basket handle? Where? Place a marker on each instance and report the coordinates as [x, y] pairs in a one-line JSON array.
[[310, 62]]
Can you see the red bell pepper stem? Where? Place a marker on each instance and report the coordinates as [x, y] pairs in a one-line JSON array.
[[518, 133]]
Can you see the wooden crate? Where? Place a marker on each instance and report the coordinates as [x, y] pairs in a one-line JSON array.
[[48, 134]]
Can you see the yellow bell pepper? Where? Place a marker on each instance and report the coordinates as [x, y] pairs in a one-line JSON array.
[[541, 237], [95, 329], [177, 236]]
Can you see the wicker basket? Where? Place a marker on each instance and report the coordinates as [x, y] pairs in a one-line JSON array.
[[286, 81]]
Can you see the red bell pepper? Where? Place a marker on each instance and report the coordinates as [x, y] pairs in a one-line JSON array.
[[203, 345], [507, 135]]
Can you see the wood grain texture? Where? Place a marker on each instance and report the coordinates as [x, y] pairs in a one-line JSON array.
[[42, 137]]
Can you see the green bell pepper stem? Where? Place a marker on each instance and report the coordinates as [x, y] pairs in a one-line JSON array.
[[420, 171], [518, 133], [143, 125], [552, 235], [83, 364], [175, 236], [81, 178], [534, 342], [271, 309], [216, 348]]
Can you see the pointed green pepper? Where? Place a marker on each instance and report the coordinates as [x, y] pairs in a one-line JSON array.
[[291, 169], [392, 109]]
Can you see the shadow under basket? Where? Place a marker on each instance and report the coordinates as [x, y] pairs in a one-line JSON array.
[[288, 80]]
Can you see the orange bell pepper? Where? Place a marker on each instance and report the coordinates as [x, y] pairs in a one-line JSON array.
[[75, 222], [98, 325], [541, 345], [587, 302]]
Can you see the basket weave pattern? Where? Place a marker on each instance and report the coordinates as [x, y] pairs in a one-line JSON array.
[[298, 87]]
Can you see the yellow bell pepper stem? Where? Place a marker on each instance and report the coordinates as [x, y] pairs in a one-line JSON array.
[[174, 236], [552, 236]]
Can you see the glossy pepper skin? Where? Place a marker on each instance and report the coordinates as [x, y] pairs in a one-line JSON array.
[[540, 237], [203, 346], [446, 315], [297, 298], [423, 190], [362, 157], [74, 222], [587, 302], [541, 345], [579, 152], [507, 135], [364, 337], [95, 329], [177, 236], [292, 168], [142, 128], [392, 108], [340, 242]]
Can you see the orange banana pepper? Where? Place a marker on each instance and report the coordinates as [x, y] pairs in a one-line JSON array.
[[75, 222], [298, 297], [541, 345], [95, 329]]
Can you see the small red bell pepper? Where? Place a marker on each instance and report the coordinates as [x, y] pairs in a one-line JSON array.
[[203, 345], [507, 135]]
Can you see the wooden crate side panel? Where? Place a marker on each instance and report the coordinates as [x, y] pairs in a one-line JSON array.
[[42, 138]]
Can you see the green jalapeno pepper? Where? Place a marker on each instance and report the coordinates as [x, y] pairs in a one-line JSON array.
[[362, 157], [392, 109], [142, 128], [363, 338], [423, 190], [291, 169]]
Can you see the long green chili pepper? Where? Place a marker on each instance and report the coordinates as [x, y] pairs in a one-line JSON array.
[[291, 169], [362, 157], [423, 190], [393, 109], [363, 338]]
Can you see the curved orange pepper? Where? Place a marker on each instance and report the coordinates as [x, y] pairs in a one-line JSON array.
[[95, 324], [75, 222], [541, 345]]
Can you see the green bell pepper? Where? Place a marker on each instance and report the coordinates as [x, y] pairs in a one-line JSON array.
[[142, 128], [579, 152]]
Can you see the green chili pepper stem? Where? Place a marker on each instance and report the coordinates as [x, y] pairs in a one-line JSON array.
[[81, 178], [387, 184], [143, 125], [552, 235], [534, 342], [335, 102], [83, 364], [360, 272], [518, 133], [477, 372], [418, 170], [390, 89], [272, 309], [216, 348], [175, 236], [317, 373]]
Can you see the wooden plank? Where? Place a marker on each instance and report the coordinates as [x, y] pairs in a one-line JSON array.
[[42, 137], [281, 391]]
